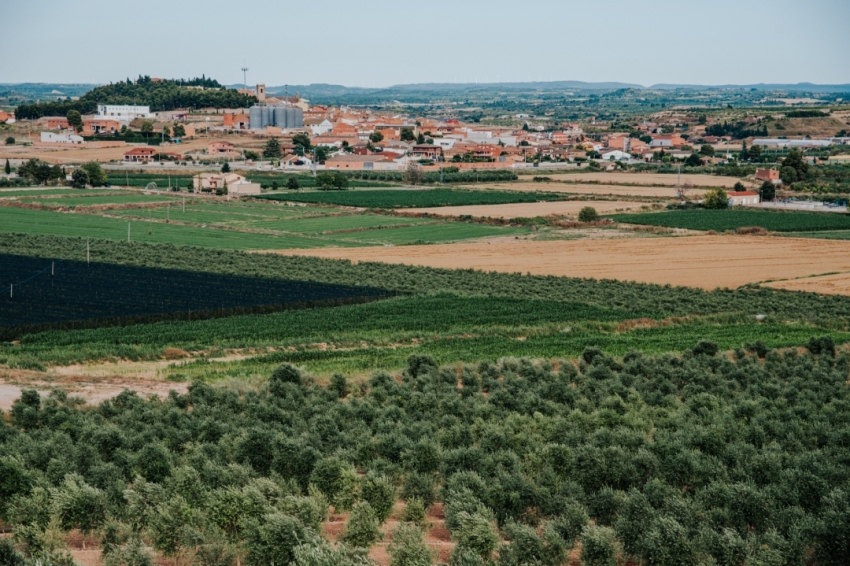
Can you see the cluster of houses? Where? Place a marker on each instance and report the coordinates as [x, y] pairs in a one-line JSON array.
[[362, 139]]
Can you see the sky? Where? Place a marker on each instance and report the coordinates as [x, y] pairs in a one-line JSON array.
[[370, 43]]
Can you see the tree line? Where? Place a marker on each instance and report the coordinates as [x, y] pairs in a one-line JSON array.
[[159, 95]]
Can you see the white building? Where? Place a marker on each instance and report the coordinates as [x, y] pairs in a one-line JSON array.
[[740, 198], [321, 128], [615, 155], [123, 113], [50, 137]]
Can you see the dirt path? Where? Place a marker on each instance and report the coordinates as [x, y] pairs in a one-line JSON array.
[[696, 261], [529, 210]]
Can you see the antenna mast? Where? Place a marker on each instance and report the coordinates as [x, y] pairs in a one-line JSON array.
[[245, 76]]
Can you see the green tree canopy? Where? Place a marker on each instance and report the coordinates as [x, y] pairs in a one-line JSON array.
[[272, 148], [75, 120], [715, 198]]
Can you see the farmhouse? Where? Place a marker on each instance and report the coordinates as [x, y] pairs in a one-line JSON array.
[[771, 175], [737, 198], [235, 184], [140, 155]]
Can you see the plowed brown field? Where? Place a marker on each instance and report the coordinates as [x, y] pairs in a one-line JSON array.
[[529, 209], [696, 261], [620, 191], [669, 180]]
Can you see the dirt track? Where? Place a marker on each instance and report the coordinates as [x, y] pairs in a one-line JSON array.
[[621, 191], [696, 261], [528, 210]]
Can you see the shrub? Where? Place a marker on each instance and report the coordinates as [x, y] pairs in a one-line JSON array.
[[476, 533], [821, 345], [414, 512], [705, 348], [379, 492], [408, 547], [361, 530], [715, 199], [588, 214], [273, 539], [598, 546], [284, 373], [419, 486]]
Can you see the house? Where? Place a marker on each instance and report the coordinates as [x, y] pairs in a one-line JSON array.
[[93, 126], [213, 182], [426, 151], [140, 155], [220, 148], [667, 140], [739, 198], [318, 126], [625, 143], [236, 121], [7, 117], [50, 137], [771, 175]]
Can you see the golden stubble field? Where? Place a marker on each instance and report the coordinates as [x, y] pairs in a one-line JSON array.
[[529, 209], [701, 261]]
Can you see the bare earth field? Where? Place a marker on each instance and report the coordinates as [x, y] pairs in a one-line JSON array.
[[622, 191], [529, 209], [695, 261], [835, 284], [648, 179], [79, 154]]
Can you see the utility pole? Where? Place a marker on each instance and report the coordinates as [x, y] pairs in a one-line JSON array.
[[245, 76], [88, 253], [128, 232], [184, 204]]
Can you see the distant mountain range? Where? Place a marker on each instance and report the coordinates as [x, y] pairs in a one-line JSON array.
[[340, 90]]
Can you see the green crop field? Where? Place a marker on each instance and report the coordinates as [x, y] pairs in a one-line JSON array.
[[235, 226], [26, 221], [99, 199], [722, 220], [413, 198], [824, 235], [56, 192]]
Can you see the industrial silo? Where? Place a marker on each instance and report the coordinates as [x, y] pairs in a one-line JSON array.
[[280, 117], [268, 116], [297, 118], [255, 118]]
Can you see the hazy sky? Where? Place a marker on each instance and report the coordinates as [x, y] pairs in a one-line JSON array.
[[372, 43]]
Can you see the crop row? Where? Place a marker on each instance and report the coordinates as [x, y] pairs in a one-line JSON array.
[[414, 198], [45, 291]]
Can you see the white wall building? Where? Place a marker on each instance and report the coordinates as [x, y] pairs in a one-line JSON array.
[[322, 128], [615, 155], [50, 137], [123, 113]]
